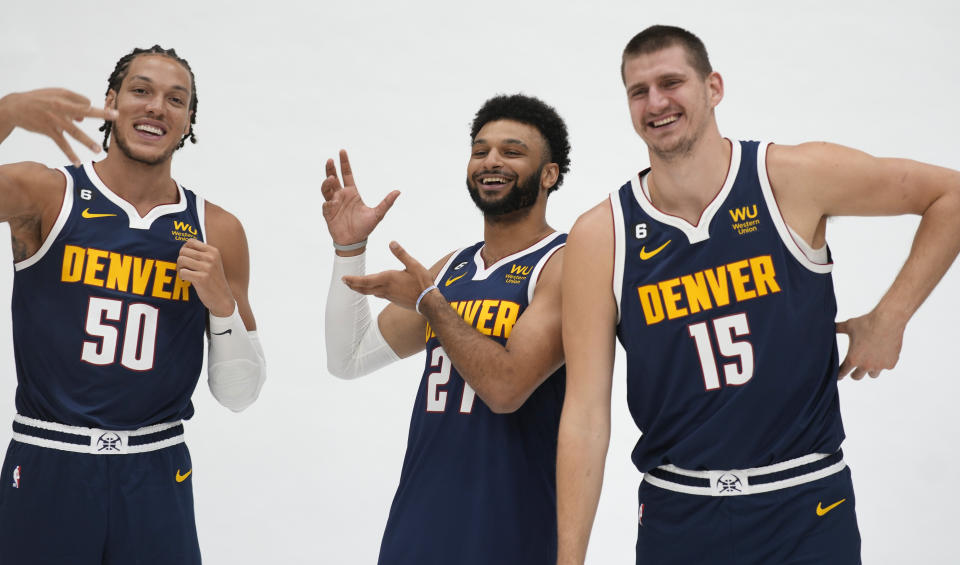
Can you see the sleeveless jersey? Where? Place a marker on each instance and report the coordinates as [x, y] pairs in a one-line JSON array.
[[479, 487], [728, 328], [105, 333]]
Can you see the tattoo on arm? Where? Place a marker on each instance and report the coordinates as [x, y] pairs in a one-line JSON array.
[[25, 237]]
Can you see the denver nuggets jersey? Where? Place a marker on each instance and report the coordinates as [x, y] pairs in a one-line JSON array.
[[105, 334], [478, 487], [728, 328]]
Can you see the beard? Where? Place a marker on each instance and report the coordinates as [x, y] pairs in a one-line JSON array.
[[514, 205], [125, 149]]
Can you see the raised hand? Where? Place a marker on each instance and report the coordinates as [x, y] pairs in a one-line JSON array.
[[51, 112], [348, 218], [200, 264], [399, 287]]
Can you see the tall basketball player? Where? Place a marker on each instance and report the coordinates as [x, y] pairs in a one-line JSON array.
[[118, 272], [477, 484], [722, 297]]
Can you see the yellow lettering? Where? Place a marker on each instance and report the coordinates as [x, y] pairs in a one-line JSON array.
[[162, 278], [181, 289], [470, 311], [486, 314], [506, 317], [94, 266], [650, 301], [141, 274], [718, 285], [764, 275], [118, 275], [521, 269], [739, 281], [72, 263], [698, 295], [670, 298]]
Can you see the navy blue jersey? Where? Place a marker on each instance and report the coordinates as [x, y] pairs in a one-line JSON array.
[[478, 487], [105, 334], [728, 328]]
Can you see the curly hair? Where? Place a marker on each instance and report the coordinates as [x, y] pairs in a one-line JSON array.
[[533, 112], [120, 73]]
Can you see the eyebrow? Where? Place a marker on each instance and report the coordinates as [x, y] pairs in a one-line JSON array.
[[478, 141], [148, 79]]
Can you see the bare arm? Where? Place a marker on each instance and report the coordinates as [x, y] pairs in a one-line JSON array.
[[589, 326], [816, 180]]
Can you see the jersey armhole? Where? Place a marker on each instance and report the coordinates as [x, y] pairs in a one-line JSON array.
[[201, 216], [535, 276], [619, 244], [61, 221], [446, 265], [815, 260]]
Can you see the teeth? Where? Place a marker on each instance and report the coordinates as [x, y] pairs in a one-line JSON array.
[[665, 121], [149, 129], [494, 180]]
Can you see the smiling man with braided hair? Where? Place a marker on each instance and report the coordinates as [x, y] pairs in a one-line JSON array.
[[119, 272]]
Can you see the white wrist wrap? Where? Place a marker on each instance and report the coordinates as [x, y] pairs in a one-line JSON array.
[[355, 346], [236, 368]]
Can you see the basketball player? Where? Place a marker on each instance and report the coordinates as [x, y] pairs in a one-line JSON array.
[[723, 300], [478, 480], [118, 270]]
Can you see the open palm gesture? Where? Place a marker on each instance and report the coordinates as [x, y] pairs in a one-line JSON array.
[[348, 218]]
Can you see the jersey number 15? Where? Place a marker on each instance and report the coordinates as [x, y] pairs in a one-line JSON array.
[[725, 329]]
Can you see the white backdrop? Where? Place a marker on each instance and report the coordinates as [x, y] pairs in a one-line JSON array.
[[307, 474]]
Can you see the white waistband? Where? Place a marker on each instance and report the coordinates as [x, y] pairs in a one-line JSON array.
[[101, 442], [736, 482]]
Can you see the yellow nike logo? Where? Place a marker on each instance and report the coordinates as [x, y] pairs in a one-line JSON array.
[[644, 255], [454, 279], [180, 478], [822, 511], [88, 214]]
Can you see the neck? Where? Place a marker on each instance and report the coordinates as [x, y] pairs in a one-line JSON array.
[[508, 235], [144, 186], [684, 185]]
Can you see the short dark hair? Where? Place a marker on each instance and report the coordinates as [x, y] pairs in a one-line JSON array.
[[658, 37], [533, 112], [120, 73]]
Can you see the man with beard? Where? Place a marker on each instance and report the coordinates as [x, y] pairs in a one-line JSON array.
[[477, 484], [118, 270], [722, 297]]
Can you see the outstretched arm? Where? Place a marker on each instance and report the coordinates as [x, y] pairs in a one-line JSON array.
[[589, 326], [816, 180], [356, 344], [503, 376]]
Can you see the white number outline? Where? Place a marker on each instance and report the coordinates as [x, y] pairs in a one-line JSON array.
[[725, 328], [437, 397], [138, 351]]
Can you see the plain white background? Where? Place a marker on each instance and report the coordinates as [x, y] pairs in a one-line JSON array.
[[307, 474]]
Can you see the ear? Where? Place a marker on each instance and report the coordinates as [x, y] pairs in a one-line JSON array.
[[110, 102], [549, 175], [715, 88]]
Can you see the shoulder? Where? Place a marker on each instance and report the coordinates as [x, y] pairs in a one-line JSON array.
[[594, 224], [33, 176], [221, 225]]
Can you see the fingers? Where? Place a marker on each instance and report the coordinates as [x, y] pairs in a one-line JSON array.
[[345, 169], [107, 114], [77, 134], [65, 147], [367, 284], [386, 204]]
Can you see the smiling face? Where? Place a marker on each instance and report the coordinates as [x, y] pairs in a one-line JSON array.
[[671, 105], [153, 103], [508, 168]]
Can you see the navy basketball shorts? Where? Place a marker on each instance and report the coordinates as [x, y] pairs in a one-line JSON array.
[[811, 523], [59, 507]]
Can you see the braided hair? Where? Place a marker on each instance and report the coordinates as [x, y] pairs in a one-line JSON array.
[[120, 73]]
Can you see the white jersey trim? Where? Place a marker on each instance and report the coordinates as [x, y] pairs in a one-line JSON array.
[[535, 276], [701, 231], [93, 434], [619, 247], [202, 216], [62, 218], [482, 272], [136, 221], [446, 265], [813, 259]]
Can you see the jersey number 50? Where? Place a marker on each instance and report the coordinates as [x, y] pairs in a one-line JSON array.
[[139, 336], [725, 329]]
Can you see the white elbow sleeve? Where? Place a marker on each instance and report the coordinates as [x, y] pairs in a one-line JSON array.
[[236, 368], [355, 346]]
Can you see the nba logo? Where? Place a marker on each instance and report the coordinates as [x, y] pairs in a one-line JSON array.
[[640, 516], [16, 477]]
